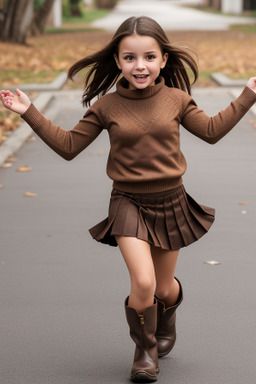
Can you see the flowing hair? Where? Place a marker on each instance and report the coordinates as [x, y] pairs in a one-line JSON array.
[[103, 72]]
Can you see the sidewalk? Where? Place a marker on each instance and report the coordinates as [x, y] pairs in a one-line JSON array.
[[170, 15], [62, 319]]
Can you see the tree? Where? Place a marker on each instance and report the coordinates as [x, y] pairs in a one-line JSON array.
[[18, 18], [40, 18]]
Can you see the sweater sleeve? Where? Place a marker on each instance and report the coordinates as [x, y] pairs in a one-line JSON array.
[[212, 129], [67, 144]]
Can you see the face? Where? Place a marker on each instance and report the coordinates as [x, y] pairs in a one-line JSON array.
[[140, 59]]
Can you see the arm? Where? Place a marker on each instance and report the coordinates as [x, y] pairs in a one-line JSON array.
[[212, 129], [67, 144]]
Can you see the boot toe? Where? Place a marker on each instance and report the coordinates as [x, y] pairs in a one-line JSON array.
[[164, 346]]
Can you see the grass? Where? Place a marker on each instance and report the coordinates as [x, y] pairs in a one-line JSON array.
[[79, 24], [87, 17], [245, 28], [69, 29], [26, 76]]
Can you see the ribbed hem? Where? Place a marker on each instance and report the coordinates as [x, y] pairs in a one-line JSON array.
[[148, 186], [247, 98], [32, 116]]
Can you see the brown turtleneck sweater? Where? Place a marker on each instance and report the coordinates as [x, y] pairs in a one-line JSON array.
[[143, 127]]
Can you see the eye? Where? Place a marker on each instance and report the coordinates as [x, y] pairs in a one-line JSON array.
[[150, 57], [129, 57]]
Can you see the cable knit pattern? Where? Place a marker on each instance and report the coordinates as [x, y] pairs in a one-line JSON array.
[[143, 127]]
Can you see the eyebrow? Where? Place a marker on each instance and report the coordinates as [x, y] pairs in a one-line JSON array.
[[132, 53]]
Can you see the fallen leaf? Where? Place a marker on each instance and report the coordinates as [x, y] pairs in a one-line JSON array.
[[12, 159], [7, 165], [1, 186], [24, 168], [212, 262], [30, 194], [3, 139], [243, 203], [31, 139]]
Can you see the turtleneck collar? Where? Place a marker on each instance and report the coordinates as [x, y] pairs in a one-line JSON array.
[[138, 93]]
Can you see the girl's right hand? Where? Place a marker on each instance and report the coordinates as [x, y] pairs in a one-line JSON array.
[[17, 103]]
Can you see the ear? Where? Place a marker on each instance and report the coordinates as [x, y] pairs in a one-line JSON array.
[[117, 61], [165, 58]]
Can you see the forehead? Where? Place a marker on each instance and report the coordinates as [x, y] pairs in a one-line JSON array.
[[138, 43]]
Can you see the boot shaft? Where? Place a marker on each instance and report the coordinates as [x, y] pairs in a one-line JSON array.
[[142, 331]]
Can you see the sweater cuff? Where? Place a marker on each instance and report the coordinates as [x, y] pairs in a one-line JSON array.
[[32, 116], [247, 98]]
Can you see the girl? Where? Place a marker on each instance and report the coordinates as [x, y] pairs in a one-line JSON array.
[[150, 214]]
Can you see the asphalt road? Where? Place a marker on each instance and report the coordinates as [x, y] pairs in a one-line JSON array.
[[62, 319]]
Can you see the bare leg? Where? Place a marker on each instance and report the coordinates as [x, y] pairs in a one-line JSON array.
[[137, 256], [167, 288]]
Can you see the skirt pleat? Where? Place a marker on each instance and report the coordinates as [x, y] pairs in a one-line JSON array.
[[170, 220]]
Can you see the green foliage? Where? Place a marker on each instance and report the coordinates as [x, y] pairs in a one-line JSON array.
[[71, 9], [65, 8], [38, 4]]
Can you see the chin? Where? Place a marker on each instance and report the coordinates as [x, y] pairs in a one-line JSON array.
[[142, 86]]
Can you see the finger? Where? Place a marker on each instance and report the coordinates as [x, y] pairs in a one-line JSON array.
[[7, 93], [18, 91]]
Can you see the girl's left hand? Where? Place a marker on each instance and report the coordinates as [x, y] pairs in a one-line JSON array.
[[252, 83]]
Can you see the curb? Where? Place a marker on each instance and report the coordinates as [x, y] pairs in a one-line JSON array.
[[225, 81], [55, 85], [22, 133]]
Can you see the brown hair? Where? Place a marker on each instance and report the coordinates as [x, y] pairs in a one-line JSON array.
[[103, 71]]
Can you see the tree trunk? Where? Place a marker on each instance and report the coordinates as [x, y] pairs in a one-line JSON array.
[[40, 19], [17, 18]]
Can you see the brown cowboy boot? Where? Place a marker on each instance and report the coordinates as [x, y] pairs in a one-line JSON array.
[[166, 325], [142, 331]]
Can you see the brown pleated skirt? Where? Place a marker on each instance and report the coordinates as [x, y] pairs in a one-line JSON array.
[[169, 220]]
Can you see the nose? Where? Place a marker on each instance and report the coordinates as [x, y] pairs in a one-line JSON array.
[[140, 64]]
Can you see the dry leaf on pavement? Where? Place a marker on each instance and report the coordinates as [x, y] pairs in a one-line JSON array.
[[30, 194], [31, 139], [24, 168], [12, 159], [7, 165], [212, 262]]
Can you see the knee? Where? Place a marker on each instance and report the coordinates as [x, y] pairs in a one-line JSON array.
[[162, 293], [164, 290], [145, 286]]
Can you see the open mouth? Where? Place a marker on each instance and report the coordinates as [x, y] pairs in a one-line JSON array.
[[140, 76]]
